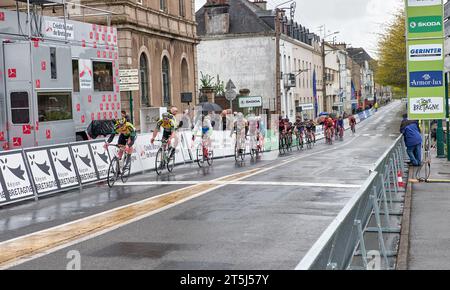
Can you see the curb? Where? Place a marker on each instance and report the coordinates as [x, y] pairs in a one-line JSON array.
[[403, 252]]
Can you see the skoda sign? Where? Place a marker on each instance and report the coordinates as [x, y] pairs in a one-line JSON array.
[[418, 3], [425, 52], [250, 102], [426, 79], [425, 24]]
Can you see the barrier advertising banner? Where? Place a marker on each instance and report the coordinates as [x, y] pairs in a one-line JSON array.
[[425, 58], [64, 166], [84, 163], [101, 159], [14, 179], [42, 170]]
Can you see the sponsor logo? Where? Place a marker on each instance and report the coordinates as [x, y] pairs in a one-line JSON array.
[[433, 105], [86, 160], [65, 163], [425, 24], [43, 167], [18, 172], [426, 52], [415, 3], [2, 16], [426, 79]]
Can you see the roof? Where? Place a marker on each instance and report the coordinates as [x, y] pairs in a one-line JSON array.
[[359, 54], [246, 17], [243, 18]]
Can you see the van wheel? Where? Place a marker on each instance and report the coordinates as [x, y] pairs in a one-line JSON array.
[[81, 136]]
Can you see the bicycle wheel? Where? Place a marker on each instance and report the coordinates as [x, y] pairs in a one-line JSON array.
[[171, 161], [126, 170], [281, 146], [113, 172], [159, 161], [236, 153], [210, 156], [200, 156]]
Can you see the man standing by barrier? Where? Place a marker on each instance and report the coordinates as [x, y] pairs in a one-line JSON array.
[[413, 140]]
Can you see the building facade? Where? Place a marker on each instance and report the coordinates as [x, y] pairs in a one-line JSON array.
[[239, 41], [159, 39]]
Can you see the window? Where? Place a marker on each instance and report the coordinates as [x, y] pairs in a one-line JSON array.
[[103, 76], [75, 76], [54, 107], [53, 63], [143, 71], [184, 76], [163, 5], [182, 8], [166, 81], [20, 108]]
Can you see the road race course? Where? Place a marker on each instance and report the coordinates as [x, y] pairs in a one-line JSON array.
[[254, 215]]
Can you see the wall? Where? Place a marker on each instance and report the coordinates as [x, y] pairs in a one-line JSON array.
[[248, 61]]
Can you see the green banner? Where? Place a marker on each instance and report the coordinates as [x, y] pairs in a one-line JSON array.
[[425, 59]]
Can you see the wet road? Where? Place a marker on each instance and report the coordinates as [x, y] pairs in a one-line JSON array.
[[263, 215]]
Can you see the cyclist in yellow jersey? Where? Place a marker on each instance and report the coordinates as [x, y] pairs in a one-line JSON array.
[[169, 128], [127, 136]]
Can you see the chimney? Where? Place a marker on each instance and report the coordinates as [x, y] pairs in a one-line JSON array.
[[217, 17], [261, 4]]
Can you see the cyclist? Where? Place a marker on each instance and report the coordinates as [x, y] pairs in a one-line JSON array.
[[241, 130], [253, 131], [352, 122], [288, 131], [206, 127], [126, 140], [340, 127], [169, 128], [310, 127], [328, 127], [299, 129]]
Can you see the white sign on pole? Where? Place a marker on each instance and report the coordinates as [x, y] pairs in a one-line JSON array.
[[86, 75], [250, 102], [129, 80], [424, 2], [230, 95], [128, 73]]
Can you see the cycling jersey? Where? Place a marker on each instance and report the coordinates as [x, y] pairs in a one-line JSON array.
[[127, 131], [168, 125]]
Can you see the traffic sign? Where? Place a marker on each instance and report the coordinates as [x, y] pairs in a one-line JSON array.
[[128, 72], [230, 95], [230, 85], [129, 87], [129, 80]]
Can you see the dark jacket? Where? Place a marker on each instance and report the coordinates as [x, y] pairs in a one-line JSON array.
[[411, 133]]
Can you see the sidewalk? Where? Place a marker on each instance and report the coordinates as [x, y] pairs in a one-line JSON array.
[[429, 221]]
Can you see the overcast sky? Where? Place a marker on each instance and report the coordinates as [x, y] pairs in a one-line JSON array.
[[358, 21]]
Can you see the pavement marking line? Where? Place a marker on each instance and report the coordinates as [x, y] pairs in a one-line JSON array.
[[26, 248], [263, 183]]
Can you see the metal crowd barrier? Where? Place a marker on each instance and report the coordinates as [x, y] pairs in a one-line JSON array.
[[345, 238]]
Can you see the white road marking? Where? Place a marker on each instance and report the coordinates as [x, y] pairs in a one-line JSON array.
[[263, 183]]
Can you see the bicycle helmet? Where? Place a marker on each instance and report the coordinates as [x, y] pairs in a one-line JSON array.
[[120, 122], [165, 116]]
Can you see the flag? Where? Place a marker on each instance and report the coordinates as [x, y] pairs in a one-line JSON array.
[[316, 102], [354, 105]]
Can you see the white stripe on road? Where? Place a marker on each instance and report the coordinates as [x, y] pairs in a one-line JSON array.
[[263, 183]]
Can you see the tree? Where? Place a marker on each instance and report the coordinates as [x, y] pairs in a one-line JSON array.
[[391, 66]]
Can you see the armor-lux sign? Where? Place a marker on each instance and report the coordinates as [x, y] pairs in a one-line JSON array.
[[425, 43]]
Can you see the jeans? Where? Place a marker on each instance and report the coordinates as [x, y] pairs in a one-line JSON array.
[[415, 154]]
